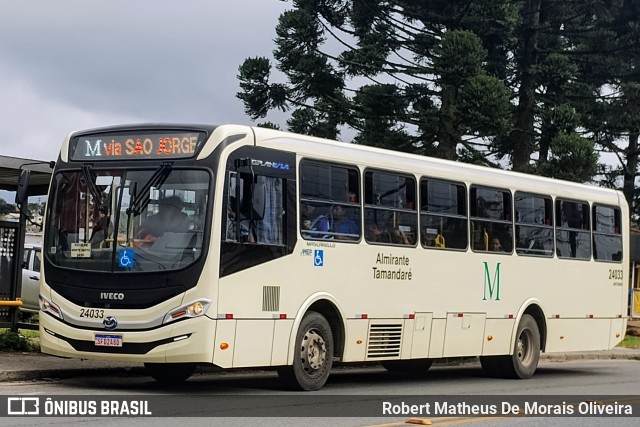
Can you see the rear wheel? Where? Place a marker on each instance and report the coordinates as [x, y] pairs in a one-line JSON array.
[[526, 354], [170, 373], [413, 366], [313, 357], [522, 364]]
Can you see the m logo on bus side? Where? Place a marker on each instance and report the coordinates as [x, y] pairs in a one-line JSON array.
[[491, 287], [318, 258]]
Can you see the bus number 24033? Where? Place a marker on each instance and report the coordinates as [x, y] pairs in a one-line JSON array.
[[615, 274], [92, 313]]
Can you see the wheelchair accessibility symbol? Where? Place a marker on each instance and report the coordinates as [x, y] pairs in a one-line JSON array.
[[318, 258], [125, 258]]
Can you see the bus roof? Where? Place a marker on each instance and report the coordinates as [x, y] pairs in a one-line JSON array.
[[324, 149]]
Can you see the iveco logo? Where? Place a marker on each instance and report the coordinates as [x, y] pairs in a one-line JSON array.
[[112, 295], [110, 323]]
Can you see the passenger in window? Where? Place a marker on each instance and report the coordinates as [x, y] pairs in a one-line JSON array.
[[378, 235], [246, 231], [481, 208], [429, 237], [352, 197], [317, 225], [572, 215], [100, 227], [399, 237], [495, 245], [169, 219], [574, 220], [409, 204], [344, 226]]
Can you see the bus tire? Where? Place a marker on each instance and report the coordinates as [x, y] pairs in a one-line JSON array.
[[313, 355], [522, 364], [413, 366], [170, 373]]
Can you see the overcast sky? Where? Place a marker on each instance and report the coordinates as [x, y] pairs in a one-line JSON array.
[[67, 65]]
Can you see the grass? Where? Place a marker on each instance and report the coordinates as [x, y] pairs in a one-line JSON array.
[[25, 340], [630, 341], [30, 333]]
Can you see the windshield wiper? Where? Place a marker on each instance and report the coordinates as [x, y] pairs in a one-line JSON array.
[[90, 177], [143, 197]]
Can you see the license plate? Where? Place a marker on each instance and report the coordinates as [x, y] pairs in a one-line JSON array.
[[108, 340]]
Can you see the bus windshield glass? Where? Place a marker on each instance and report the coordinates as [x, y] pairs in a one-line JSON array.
[[127, 220]]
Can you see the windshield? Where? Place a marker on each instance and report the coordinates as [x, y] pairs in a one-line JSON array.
[[127, 220]]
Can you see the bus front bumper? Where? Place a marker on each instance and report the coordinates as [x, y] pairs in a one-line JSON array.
[[187, 341]]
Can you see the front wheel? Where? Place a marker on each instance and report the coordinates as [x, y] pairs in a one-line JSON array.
[[313, 357], [170, 373]]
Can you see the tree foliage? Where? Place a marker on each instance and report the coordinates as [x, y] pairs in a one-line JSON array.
[[536, 86], [6, 208]]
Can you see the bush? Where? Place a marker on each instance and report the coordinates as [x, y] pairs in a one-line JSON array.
[[13, 341]]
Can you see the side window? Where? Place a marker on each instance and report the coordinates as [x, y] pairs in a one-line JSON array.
[[607, 234], [573, 229], [25, 259], [255, 209], [443, 214], [491, 219], [390, 212], [329, 201], [534, 226], [36, 261]]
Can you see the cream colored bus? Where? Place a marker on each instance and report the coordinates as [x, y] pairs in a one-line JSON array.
[[177, 246]]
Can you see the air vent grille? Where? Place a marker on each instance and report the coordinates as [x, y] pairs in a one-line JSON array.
[[384, 341], [270, 298]]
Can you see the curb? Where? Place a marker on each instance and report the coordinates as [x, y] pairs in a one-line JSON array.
[[65, 373], [567, 357]]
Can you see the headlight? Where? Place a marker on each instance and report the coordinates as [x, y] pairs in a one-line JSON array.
[[49, 307], [194, 309]]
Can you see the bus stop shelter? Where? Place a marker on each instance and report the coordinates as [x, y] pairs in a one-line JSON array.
[[12, 232]]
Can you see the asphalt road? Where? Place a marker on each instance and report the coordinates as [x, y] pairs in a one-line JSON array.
[[347, 390]]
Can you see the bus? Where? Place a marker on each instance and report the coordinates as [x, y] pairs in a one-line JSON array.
[[177, 246]]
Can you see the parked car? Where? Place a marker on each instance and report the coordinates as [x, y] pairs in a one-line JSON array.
[[31, 279]]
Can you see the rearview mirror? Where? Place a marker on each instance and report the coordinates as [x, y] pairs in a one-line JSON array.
[[23, 187]]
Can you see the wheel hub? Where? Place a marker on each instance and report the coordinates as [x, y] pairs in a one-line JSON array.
[[523, 347], [313, 351]]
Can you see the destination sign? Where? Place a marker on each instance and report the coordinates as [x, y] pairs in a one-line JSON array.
[[143, 145]]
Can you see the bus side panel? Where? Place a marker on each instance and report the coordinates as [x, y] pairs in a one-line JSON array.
[[500, 332], [618, 329], [464, 334], [436, 347], [225, 333], [577, 334], [357, 332], [407, 339], [253, 342], [421, 335], [281, 338], [197, 348]]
